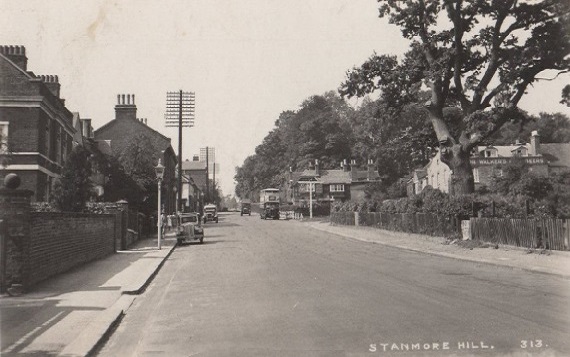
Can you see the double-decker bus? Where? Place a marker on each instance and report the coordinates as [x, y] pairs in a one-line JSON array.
[[269, 203]]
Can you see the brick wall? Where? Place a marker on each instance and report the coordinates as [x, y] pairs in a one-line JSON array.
[[61, 241]]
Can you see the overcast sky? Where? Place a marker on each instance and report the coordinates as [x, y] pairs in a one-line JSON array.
[[247, 61]]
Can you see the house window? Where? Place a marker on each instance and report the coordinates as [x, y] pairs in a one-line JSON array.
[[64, 148], [337, 188], [58, 146], [476, 175], [47, 141], [3, 137]]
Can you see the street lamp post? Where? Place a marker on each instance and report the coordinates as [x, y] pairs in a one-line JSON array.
[[310, 200], [159, 175]]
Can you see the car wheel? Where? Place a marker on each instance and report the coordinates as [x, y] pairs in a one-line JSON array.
[[201, 240], [179, 241], [241, 214]]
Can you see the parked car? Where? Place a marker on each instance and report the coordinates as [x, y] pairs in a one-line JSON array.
[[210, 213], [189, 228]]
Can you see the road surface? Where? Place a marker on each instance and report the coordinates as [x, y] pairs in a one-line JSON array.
[[279, 288]]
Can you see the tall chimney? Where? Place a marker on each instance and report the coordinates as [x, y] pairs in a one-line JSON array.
[[535, 143], [16, 54], [124, 108], [344, 165], [52, 83], [317, 168], [353, 170], [370, 170]]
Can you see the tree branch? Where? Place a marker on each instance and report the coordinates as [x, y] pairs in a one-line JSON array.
[[551, 79]]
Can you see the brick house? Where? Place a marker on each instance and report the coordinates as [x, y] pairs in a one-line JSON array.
[[344, 184], [115, 136], [194, 176], [36, 128], [487, 161]]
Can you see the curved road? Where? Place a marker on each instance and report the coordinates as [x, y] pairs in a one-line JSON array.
[[278, 288]]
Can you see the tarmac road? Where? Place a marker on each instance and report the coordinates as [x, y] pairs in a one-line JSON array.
[[279, 288]]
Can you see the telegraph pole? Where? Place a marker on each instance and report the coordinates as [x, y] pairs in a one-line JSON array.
[[208, 154], [180, 107]]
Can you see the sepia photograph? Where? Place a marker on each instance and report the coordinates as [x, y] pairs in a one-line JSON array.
[[301, 178]]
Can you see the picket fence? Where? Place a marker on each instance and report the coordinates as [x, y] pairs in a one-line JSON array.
[[553, 234]]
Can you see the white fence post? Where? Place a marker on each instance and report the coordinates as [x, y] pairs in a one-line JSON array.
[[356, 216]]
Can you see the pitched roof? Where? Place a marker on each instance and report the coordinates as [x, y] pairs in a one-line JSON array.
[[164, 143], [504, 150], [329, 176], [193, 165], [26, 74], [558, 155]]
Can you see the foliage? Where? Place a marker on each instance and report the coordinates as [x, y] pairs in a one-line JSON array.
[[320, 129], [73, 189], [477, 56], [132, 176], [552, 128]]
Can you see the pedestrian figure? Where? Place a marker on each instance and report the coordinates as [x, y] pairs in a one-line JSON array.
[[163, 223], [168, 223]]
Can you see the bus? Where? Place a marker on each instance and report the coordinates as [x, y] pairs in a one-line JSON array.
[[269, 203]]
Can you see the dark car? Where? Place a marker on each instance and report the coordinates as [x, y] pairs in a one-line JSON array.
[[245, 208], [270, 210]]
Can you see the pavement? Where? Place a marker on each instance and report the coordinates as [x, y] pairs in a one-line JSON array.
[[70, 314], [539, 261]]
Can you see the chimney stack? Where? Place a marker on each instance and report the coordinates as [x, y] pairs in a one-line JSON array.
[[353, 170], [124, 108], [16, 54], [317, 168], [370, 170], [52, 83], [344, 165], [535, 143]]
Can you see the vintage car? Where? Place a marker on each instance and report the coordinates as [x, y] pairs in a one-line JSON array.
[[270, 210], [245, 208], [210, 213], [189, 228]]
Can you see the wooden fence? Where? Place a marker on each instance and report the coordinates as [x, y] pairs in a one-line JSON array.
[[421, 223], [551, 234]]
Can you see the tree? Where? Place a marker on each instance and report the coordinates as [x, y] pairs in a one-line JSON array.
[[479, 56], [74, 189], [552, 128]]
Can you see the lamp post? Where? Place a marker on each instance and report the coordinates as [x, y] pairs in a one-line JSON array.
[[311, 200], [176, 199], [159, 175]]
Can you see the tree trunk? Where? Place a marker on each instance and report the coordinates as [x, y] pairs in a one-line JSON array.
[[462, 179]]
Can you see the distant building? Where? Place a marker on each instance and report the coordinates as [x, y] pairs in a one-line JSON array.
[[36, 129], [194, 178], [344, 184], [487, 161], [115, 136]]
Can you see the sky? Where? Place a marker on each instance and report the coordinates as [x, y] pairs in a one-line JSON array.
[[247, 61]]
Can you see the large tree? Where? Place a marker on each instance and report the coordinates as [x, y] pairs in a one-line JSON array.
[[478, 55], [74, 188]]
